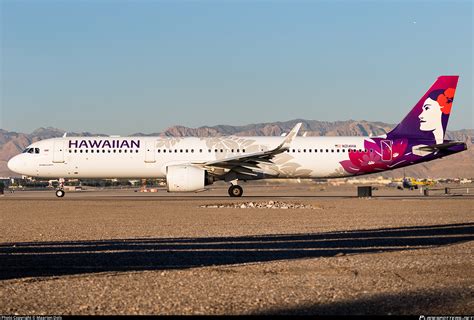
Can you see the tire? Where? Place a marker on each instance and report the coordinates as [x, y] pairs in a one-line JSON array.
[[60, 193], [235, 191]]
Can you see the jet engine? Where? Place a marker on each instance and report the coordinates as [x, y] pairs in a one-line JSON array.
[[185, 178]]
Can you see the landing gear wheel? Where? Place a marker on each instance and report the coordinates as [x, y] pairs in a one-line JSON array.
[[60, 193], [235, 191]]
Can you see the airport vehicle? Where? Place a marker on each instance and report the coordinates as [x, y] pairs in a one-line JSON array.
[[190, 164], [412, 183]]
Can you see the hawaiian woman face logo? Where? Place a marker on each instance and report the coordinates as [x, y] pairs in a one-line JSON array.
[[430, 116], [439, 102]]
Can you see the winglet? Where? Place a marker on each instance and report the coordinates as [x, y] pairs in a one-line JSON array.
[[289, 138]]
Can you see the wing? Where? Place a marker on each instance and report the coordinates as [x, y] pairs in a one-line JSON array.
[[248, 164]]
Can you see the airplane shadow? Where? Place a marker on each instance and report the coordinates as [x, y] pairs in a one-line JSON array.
[[33, 259]]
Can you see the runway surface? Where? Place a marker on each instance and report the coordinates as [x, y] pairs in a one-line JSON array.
[[123, 252]]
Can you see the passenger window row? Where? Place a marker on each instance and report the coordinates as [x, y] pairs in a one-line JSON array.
[[102, 151], [37, 150], [327, 150], [200, 150]]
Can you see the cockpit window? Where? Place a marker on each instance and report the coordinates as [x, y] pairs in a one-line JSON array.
[[32, 150]]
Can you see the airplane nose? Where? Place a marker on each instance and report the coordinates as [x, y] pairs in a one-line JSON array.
[[13, 164]]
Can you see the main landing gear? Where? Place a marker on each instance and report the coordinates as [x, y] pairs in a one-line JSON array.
[[235, 190]]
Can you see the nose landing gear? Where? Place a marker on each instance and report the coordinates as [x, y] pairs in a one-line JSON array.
[[60, 193]]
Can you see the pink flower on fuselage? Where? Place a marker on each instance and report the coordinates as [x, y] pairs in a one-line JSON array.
[[370, 159]]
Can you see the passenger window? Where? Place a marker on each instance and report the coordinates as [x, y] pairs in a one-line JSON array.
[[158, 150], [243, 150], [327, 150], [192, 150], [186, 150], [338, 150], [92, 151], [315, 150], [222, 150], [70, 151]]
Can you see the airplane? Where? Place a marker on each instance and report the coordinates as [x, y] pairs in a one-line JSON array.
[[190, 164]]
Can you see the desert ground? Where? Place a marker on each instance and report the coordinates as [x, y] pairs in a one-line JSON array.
[[322, 251]]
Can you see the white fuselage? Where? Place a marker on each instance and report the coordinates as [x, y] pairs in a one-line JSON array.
[[148, 157]]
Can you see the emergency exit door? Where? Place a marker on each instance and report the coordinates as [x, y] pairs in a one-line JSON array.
[[386, 147], [150, 152], [58, 151]]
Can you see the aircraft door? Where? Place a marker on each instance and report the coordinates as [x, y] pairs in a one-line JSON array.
[[386, 149], [150, 151], [58, 151]]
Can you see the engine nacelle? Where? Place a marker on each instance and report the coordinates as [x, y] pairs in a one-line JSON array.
[[185, 178]]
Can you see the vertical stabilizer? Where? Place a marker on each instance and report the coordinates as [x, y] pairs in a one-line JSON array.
[[428, 119]]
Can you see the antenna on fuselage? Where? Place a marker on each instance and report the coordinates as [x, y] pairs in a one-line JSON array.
[[65, 134]]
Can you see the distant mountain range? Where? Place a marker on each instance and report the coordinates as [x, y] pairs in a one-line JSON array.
[[459, 165]]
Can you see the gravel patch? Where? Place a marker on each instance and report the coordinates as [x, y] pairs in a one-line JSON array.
[[261, 205]]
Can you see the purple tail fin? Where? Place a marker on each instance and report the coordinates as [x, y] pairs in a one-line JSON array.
[[428, 119]]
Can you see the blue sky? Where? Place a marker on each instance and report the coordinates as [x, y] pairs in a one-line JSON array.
[[121, 67]]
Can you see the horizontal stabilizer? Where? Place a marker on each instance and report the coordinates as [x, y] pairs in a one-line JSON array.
[[442, 146]]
